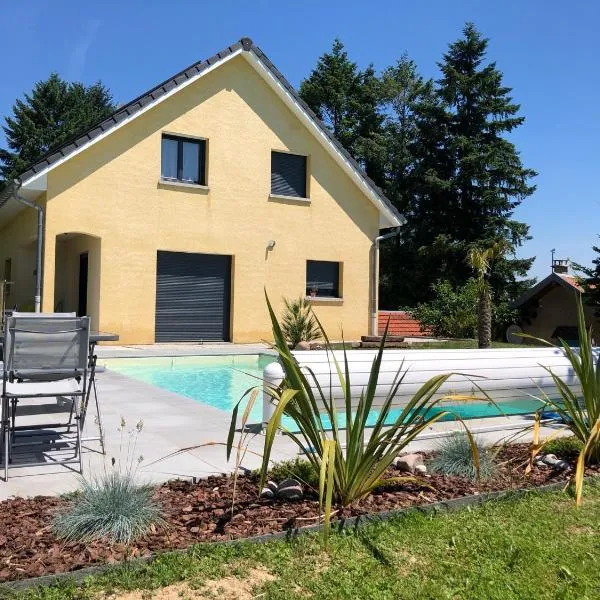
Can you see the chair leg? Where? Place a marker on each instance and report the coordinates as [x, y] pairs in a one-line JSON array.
[[99, 417], [5, 433]]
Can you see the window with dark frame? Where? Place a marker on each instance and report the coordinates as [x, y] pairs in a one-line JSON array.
[[288, 174], [183, 159], [323, 279]]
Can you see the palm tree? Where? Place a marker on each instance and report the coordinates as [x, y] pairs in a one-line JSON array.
[[481, 260]]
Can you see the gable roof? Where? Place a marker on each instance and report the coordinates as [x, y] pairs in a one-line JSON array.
[[554, 279], [389, 216]]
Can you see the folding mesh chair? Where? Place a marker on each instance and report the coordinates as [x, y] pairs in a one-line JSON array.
[[44, 357]]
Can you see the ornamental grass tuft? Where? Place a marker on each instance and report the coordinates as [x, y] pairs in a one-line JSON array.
[[113, 507], [455, 458]]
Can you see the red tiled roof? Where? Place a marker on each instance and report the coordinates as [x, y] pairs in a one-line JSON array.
[[571, 281], [401, 323]]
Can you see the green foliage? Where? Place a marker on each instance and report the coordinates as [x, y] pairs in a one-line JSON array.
[[564, 447], [451, 312], [441, 152], [52, 113], [455, 457], [298, 322], [347, 100], [113, 507], [590, 281], [353, 463], [580, 414], [296, 468]]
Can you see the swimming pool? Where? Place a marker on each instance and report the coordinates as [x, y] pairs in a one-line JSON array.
[[220, 381]]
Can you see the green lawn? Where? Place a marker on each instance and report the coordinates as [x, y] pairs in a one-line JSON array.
[[534, 548]]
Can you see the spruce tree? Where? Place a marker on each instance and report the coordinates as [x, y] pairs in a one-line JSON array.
[[47, 117], [347, 100], [467, 177]]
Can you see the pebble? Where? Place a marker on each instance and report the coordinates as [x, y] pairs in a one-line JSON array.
[[409, 462], [267, 493]]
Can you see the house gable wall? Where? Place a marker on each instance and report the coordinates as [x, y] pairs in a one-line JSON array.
[[112, 191]]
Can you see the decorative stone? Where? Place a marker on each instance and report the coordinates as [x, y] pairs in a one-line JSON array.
[[267, 493], [289, 489], [409, 462], [550, 459], [302, 346]]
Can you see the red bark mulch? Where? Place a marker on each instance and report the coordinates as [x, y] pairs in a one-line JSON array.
[[201, 512]]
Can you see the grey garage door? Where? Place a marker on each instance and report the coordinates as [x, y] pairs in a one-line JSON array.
[[192, 297]]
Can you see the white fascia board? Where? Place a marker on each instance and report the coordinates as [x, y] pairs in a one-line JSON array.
[[35, 180], [387, 217]]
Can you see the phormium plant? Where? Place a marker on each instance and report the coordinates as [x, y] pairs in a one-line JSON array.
[[353, 463], [579, 414]]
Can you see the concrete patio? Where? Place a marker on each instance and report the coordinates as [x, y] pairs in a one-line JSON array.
[[171, 423]]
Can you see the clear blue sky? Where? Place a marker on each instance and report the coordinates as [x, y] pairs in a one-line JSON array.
[[548, 50]]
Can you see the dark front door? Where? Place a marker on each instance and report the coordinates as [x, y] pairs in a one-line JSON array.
[[83, 285], [193, 294]]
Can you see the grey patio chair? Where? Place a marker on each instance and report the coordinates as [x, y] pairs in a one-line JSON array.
[[44, 357], [93, 368]]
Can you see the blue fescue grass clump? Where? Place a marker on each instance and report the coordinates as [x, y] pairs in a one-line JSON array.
[[113, 507], [455, 457]]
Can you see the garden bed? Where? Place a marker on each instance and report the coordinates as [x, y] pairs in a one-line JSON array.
[[201, 512]]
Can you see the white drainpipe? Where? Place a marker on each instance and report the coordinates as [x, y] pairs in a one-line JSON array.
[[39, 243], [373, 329]]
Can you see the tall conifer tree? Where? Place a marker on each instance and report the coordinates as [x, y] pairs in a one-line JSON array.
[[47, 117]]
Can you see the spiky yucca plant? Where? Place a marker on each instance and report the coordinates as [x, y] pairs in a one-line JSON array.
[[350, 467], [579, 414], [298, 323]]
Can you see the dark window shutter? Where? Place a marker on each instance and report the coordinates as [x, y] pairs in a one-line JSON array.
[[288, 174], [323, 278]]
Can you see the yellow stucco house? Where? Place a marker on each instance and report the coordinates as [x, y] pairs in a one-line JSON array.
[[166, 221]]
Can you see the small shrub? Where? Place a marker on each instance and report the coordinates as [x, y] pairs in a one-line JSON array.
[[564, 447], [298, 323], [296, 468], [455, 457], [113, 507]]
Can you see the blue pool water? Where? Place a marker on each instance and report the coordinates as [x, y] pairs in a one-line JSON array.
[[220, 381]]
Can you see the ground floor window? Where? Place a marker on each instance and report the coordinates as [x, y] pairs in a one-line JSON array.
[[323, 278]]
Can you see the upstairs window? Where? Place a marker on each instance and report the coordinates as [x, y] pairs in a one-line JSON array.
[[323, 278], [288, 174], [183, 159]]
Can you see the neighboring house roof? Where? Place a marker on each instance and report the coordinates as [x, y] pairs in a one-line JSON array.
[[401, 324], [554, 279], [139, 105]]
